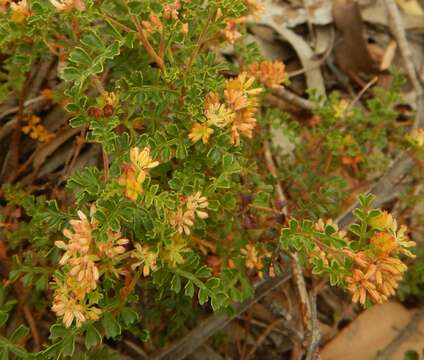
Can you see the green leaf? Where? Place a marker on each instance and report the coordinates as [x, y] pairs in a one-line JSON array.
[[189, 289], [203, 296], [57, 331], [85, 183], [71, 73], [92, 40], [3, 317], [92, 337], [129, 315], [176, 283], [203, 272], [111, 326], [80, 57], [19, 333], [69, 345]]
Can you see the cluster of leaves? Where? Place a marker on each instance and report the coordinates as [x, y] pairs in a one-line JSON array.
[[357, 143], [170, 220]]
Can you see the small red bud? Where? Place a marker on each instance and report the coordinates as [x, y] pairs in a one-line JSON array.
[[108, 110], [94, 112]]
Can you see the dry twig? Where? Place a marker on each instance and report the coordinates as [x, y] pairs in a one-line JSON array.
[[310, 317]]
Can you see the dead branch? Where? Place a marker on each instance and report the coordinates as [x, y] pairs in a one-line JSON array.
[[398, 30], [310, 319], [293, 98]]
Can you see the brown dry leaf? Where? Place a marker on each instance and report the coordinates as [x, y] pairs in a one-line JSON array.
[[411, 7], [375, 13], [369, 333], [352, 54], [389, 55]]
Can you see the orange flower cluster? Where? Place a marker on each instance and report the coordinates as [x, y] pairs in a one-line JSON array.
[[20, 11], [375, 277], [269, 73], [82, 256], [183, 218], [36, 130], [231, 32], [379, 270], [134, 173], [237, 113]]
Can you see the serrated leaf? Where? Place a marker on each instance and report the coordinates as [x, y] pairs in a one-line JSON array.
[[111, 326], [189, 289], [20, 332], [176, 283], [92, 337], [129, 315], [202, 296], [80, 57], [69, 345]]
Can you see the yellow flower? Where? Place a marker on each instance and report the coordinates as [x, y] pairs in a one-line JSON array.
[[196, 202], [200, 131], [416, 138], [219, 115], [173, 253], [20, 11], [341, 109], [70, 309], [252, 257], [134, 174], [132, 182], [404, 242], [243, 83], [145, 258], [142, 159], [384, 221]]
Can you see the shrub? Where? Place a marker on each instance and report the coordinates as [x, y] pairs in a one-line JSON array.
[[182, 211]]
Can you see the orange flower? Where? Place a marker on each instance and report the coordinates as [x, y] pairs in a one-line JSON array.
[[269, 73], [384, 242], [3, 6], [20, 11], [36, 130], [132, 181], [244, 124], [231, 33]]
